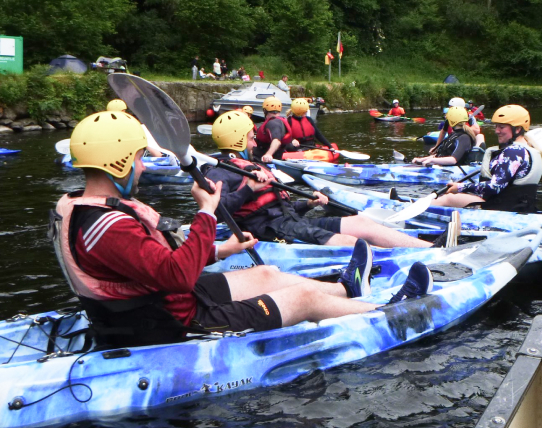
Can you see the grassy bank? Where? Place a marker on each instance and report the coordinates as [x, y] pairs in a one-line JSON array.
[[365, 83]]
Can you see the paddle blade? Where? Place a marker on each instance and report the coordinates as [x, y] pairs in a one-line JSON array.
[[205, 129], [398, 156], [418, 119], [413, 210], [63, 147], [375, 113], [353, 155]]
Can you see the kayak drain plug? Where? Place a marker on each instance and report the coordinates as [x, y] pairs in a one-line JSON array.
[[16, 404], [143, 384]]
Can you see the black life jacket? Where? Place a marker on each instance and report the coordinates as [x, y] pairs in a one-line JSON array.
[[447, 147]]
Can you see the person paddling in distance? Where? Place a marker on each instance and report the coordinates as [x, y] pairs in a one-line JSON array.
[[455, 148], [269, 214], [139, 287], [510, 172], [396, 110], [447, 129], [274, 134], [304, 129]]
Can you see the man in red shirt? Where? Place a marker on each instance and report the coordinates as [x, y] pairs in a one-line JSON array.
[[139, 287], [396, 110]]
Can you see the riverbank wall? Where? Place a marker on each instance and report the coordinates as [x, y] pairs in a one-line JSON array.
[[64, 100]]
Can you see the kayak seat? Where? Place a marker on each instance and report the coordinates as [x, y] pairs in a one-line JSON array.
[[446, 272]]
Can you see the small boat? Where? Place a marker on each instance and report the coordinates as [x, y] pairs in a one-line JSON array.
[[254, 94], [313, 155], [47, 378], [367, 174], [8, 152], [432, 137], [518, 400], [385, 118]]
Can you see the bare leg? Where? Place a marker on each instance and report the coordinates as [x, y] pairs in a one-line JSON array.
[[248, 283], [456, 200], [359, 226], [298, 299]]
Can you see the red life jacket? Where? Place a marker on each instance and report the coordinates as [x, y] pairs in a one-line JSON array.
[[264, 139], [302, 129], [265, 198], [397, 111]]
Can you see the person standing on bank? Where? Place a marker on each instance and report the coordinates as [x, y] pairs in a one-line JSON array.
[[195, 67], [510, 172], [216, 69], [304, 129]]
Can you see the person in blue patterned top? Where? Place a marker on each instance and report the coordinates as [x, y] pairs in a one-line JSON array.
[[510, 172]]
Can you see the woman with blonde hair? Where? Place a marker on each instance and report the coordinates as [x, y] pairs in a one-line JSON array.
[[455, 149]]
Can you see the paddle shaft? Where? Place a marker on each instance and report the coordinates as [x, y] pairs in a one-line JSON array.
[[466, 177], [194, 171], [283, 186]]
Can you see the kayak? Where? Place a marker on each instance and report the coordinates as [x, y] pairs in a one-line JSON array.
[[432, 137], [390, 119], [358, 174], [313, 154], [435, 217], [158, 170], [376, 174], [8, 152], [46, 381]]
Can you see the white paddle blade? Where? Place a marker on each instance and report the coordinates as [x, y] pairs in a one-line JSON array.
[[382, 216], [353, 155], [398, 156], [282, 176], [201, 158], [205, 129], [413, 210], [63, 147]]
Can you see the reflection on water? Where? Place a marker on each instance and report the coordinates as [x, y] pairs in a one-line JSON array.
[[444, 380]]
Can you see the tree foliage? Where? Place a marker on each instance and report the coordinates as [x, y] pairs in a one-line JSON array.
[[495, 37]]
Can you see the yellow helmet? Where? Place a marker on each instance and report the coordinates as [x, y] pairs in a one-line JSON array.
[[248, 109], [230, 131], [456, 115], [116, 105], [512, 115], [108, 140], [272, 104], [300, 106]]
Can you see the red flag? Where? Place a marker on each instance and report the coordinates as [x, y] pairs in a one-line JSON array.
[[340, 46], [330, 56]]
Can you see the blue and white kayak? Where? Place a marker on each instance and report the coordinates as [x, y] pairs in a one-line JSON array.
[[435, 216], [432, 137], [368, 174], [8, 152], [45, 384]]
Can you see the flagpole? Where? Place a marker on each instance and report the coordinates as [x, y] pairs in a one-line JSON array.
[[329, 76]]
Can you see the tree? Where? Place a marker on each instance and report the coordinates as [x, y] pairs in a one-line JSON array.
[[51, 28]]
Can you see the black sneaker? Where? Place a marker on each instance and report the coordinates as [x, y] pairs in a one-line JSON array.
[[355, 277], [418, 283]]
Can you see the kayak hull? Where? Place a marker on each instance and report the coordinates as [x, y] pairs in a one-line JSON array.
[[390, 119], [8, 152], [313, 154], [108, 385]]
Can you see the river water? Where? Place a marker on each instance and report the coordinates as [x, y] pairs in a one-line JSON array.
[[442, 381]]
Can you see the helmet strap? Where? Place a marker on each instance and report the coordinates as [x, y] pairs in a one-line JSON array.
[[125, 191]]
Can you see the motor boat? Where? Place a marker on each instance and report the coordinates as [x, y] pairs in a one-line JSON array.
[[254, 94]]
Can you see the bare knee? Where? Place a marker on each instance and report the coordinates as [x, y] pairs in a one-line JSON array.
[[266, 273]]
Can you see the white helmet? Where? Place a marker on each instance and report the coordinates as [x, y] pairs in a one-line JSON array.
[[395, 101], [457, 102]]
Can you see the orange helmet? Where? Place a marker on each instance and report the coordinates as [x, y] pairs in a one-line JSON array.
[[272, 104]]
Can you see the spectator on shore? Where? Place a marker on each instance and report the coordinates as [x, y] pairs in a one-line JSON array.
[[282, 83], [203, 75], [241, 72], [216, 69], [223, 68], [195, 66]]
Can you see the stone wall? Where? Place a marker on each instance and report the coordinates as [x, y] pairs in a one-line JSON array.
[[194, 99]]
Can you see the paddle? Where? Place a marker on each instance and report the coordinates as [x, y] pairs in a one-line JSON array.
[[205, 129], [168, 124], [346, 153], [63, 147], [422, 204], [376, 113]]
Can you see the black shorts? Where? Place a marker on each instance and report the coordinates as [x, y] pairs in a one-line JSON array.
[[215, 311], [317, 230]]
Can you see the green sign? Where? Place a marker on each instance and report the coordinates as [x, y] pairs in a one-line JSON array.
[[11, 54]]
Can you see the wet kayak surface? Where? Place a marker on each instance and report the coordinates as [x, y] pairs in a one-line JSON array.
[[445, 380]]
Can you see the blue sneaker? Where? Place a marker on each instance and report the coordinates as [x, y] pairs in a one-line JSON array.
[[418, 283], [356, 276]]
